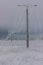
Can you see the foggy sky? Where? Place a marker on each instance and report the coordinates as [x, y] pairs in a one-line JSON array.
[[12, 16]]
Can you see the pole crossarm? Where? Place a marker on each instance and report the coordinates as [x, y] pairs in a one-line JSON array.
[[27, 5]]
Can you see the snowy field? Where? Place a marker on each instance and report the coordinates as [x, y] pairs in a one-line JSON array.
[[16, 53]]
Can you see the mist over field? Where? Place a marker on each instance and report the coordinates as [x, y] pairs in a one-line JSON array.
[[13, 17]]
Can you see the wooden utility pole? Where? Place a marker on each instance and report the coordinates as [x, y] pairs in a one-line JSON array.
[[27, 36], [27, 26]]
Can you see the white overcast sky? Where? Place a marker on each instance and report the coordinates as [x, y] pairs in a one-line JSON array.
[[13, 16]]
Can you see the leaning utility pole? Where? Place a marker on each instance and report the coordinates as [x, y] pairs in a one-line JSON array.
[[27, 22]]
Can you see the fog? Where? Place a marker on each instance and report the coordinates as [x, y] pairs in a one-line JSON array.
[[14, 17]]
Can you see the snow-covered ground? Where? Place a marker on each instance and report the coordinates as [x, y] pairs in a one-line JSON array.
[[16, 53]]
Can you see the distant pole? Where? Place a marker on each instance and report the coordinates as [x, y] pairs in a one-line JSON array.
[[27, 37], [11, 37]]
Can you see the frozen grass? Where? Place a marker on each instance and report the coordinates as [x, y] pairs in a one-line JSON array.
[[16, 53]]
